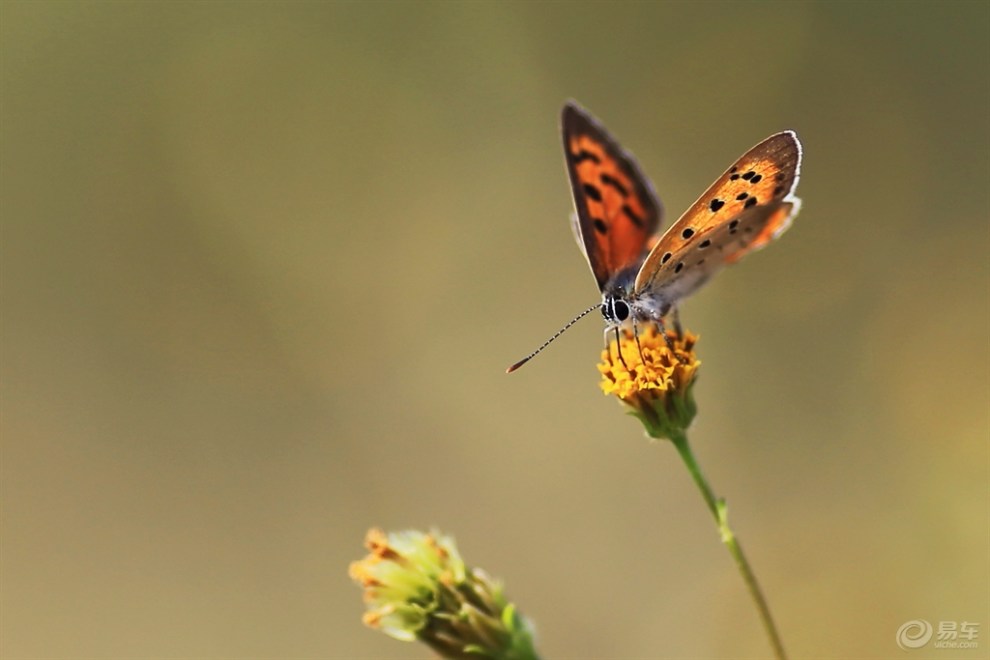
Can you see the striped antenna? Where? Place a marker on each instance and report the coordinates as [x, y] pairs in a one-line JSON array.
[[549, 341]]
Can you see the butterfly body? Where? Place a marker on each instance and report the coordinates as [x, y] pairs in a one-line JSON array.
[[622, 306]]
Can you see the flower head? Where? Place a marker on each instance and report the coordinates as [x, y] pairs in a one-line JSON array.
[[653, 377], [418, 587]]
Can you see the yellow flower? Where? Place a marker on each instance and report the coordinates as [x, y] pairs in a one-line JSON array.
[[401, 576], [417, 587], [653, 379]]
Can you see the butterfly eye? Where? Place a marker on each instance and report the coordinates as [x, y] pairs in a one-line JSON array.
[[620, 310]]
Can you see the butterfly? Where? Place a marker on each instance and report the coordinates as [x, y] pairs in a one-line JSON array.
[[617, 216]]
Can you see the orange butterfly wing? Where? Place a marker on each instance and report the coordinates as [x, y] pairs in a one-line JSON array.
[[748, 206], [617, 211]]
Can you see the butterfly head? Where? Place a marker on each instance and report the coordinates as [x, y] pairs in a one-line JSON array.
[[615, 310], [622, 305]]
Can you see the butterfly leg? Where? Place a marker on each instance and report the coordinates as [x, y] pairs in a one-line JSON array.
[[678, 329], [677, 323], [642, 359], [618, 346], [662, 327]]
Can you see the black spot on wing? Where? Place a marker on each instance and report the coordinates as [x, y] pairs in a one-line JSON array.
[[742, 196], [703, 244], [750, 202], [756, 179], [593, 192], [600, 226], [636, 220], [665, 258], [615, 183], [584, 155], [716, 204], [687, 233]]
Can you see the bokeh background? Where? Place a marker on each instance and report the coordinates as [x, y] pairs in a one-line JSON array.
[[264, 265]]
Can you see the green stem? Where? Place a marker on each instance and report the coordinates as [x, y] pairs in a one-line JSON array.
[[720, 512]]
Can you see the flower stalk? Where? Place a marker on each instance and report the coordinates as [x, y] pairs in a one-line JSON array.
[[653, 376], [720, 511]]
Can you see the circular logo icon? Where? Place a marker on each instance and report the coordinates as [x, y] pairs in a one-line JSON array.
[[914, 634]]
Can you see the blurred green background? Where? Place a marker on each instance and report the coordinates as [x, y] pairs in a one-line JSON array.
[[264, 265]]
